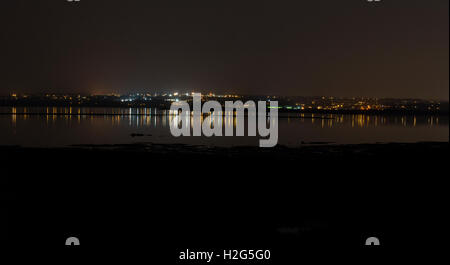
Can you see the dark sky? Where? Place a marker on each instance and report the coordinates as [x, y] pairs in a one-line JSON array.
[[395, 48]]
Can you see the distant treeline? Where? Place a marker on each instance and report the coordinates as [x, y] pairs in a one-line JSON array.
[[286, 104]]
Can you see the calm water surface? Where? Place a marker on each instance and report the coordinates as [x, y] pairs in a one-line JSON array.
[[60, 126]]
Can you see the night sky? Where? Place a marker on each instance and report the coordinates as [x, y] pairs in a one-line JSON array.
[[395, 48]]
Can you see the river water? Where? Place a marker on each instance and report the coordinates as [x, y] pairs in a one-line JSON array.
[[64, 126]]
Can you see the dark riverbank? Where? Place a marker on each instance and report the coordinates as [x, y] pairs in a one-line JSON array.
[[318, 196], [308, 150]]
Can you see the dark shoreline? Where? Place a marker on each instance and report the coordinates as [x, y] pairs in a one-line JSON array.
[[313, 150], [323, 195]]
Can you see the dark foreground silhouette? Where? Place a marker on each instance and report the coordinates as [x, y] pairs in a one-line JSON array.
[[162, 199]]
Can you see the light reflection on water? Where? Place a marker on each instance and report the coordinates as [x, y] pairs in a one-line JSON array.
[[60, 126]]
